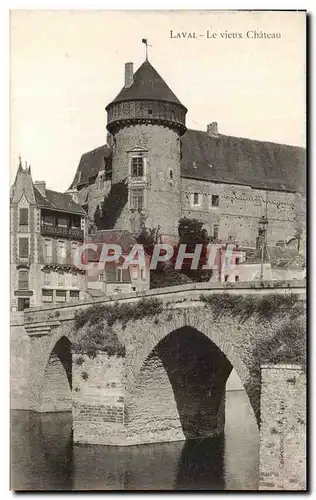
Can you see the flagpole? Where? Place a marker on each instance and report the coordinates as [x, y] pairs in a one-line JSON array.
[[145, 41]]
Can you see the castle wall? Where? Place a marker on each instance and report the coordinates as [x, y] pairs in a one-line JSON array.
[[239, 210], [161, 147], [283, 428]]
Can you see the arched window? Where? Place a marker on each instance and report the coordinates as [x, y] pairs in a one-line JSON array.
[[23, 283]]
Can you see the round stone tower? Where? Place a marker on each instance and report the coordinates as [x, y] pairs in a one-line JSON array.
[[146, 121]]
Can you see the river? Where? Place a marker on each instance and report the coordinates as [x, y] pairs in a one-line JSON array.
[[44, 458]]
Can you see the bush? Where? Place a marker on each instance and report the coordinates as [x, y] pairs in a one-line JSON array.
[[99, 319], [245, 306]]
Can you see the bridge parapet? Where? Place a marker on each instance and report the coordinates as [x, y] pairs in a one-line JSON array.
[[175, 296]]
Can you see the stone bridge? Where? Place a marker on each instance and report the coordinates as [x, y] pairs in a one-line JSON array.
[[169, 385]]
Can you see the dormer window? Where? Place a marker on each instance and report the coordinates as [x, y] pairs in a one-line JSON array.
[[215, 200], [137, 169], [196, 199]]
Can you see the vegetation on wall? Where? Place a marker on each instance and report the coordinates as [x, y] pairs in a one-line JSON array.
[[244, 306], [112, 206], [285, 345], [190, 233], [99, 336]]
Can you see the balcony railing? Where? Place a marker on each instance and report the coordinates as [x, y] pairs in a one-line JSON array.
[[63, 232]]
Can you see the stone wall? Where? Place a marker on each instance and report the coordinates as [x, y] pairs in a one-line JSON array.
[[239, 210], [19, 363], [98, 399], [283, 428], [56, 392], [161, 147], [180, 391]]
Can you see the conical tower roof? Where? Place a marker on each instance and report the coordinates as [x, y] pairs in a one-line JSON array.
[[147, 85]]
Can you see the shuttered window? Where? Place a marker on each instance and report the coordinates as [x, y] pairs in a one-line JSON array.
[[23, 248], [23, 283]]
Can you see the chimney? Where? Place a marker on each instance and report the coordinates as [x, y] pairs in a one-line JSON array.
[[212, 129], [41, 187], [129, 77]]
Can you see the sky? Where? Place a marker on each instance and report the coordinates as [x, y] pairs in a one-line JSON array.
[[66, 66]]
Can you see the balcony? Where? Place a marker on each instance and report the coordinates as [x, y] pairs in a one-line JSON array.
[[62, 232]]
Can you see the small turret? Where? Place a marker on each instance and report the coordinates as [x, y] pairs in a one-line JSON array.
[[145, 98]]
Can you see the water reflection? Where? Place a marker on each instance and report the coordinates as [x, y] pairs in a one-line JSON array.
[[44, 458]]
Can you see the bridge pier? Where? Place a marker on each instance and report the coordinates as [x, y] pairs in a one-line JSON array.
[[179, 394], [98, 399]]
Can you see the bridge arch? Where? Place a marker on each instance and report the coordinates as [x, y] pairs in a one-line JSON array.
[[154, 370], [54, 373]]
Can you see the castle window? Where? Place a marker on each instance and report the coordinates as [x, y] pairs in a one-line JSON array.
[[61, 252], [23, 216], [48, 251], [23, 303], [62, 222], [75, 223], [150, 111], [23, 248], [215, 200], [49, 220], [47, 279], [23, 283], [47, 295], [61, 279], [137, 166], [137, 199], [60, 295], [196, 199], [74, 294]]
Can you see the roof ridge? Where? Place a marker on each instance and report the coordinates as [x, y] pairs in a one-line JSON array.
[[261, 141]]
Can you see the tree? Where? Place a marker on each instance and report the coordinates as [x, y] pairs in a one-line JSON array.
[[191, 233]]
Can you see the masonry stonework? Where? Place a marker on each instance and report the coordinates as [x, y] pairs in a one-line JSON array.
[[161, 149], [239, 210], [283, 428], [98, 399]]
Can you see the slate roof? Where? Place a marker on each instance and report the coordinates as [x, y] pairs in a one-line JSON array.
[[91, 163], [122, 238], [226, 159], [148, 84], [57, 201], [237, 160], [287, 258]]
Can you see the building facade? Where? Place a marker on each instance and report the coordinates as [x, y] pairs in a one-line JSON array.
[[46, 228], [172, 172]]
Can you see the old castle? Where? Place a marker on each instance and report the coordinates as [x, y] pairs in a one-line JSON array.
[[169, 172], [227, 182]]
